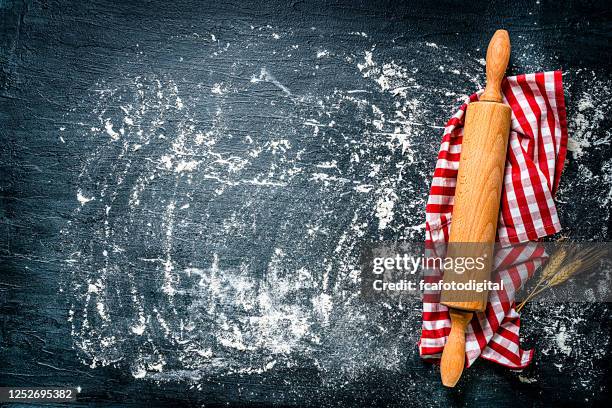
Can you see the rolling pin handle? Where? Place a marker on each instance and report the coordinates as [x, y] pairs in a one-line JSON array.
[[498, 56], [453, 356]]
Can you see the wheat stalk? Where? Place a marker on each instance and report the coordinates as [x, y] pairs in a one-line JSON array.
[[565, 272], [554, 263], [556, 260], [563, 264]]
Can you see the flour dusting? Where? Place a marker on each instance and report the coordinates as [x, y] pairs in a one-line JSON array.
[[209, 242]]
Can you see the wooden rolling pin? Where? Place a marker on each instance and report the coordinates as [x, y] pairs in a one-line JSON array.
[[477, 198]]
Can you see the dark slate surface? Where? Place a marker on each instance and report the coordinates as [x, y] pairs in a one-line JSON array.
[[186, 187]]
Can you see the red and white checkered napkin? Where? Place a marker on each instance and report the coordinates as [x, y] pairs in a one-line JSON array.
[[536, 153]]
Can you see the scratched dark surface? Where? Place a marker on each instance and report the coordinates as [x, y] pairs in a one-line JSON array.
[[186, 186]]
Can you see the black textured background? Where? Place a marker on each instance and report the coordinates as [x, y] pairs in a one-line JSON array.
[[244, 75]]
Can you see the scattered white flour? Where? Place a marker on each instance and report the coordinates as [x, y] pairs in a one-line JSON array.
[[217, 89], [265, 76], [585, 125], [184, 166], [561, 340], [527, 380], [232, 243], [82, 199], [384, 209], [110, 131]]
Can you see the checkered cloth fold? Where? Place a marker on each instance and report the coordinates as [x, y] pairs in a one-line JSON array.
[[536, 153]]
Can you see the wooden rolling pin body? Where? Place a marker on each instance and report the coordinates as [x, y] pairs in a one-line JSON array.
[[477, 196]]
